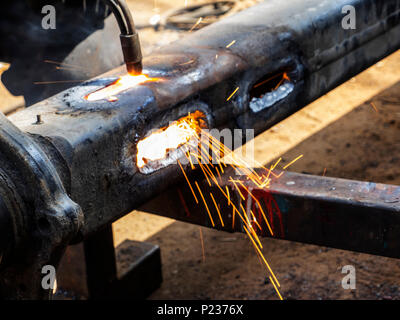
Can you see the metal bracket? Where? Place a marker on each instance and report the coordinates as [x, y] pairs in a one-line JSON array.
[[137, 281]]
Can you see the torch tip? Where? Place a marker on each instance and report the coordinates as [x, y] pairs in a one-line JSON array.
[[134, 69]]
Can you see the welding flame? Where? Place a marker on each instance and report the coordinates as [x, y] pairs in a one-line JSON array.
[[123, 83], [160, 143]]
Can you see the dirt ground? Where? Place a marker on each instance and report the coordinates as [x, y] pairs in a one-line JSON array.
[[341, 132]]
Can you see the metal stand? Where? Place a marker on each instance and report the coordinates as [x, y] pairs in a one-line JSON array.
[[136, 277]]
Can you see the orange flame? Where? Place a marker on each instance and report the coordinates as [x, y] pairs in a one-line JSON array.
[[123, 83], [160, 143]]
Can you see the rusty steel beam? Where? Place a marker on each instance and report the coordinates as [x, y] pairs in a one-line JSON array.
[[83, 152], [339, 213]]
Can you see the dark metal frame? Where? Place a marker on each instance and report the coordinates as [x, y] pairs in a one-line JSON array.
[[338, 213], [91, 145]]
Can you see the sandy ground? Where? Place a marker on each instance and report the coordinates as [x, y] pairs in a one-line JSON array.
[[341, 132]]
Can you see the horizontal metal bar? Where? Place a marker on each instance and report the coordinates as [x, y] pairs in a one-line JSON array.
[[332, 212]]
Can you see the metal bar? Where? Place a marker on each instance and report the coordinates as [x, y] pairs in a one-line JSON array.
[[142, 274], [101, 268], [332, 212]]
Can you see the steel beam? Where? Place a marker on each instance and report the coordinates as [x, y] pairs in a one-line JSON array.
[[339, 213]]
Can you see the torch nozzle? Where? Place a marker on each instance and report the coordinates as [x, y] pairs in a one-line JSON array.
[[132, 53], [129, 37]]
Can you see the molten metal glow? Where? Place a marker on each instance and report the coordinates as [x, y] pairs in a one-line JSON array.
[[122, 84], [161, 143]]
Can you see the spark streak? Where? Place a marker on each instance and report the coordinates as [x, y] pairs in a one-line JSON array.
[[373, 106], [196, 24], [276, 289], [216, 207], [293, 161], [203, 255], [231, 44], [232, 94], [187, 180], [205, 204], [202, 152]]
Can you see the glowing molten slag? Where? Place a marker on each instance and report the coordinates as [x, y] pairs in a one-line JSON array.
[[160, 144], [125, 82]]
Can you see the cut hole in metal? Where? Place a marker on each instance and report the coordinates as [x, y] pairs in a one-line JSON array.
[[269, 90], [166, 145]]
